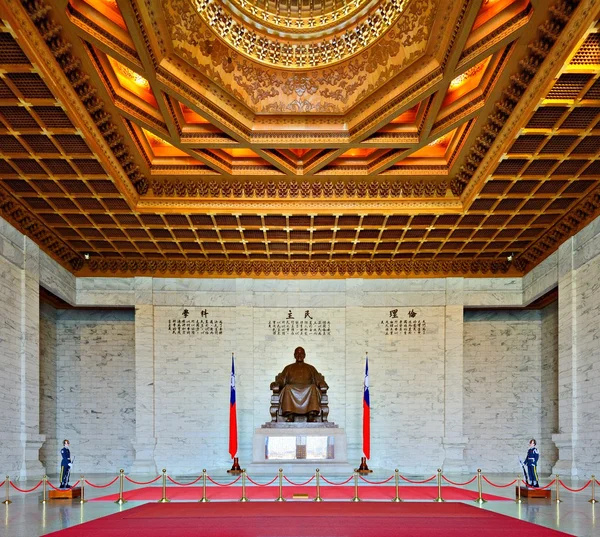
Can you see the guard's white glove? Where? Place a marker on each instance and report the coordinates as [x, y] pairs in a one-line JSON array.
[[70, 464]]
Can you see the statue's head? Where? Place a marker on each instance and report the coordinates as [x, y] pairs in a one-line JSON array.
[[299, 354]]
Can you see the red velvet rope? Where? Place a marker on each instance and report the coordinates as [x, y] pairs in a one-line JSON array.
[[58, 488], [2, 484], [336, 484], [576, 490], [376, 482], [418, 482], [101, 486], [547, 486], [299, 484], [459, 484], [499, 486], [25, 490], [184, 484], [143, 482], [262, 484], [597, 482], [224, 484]]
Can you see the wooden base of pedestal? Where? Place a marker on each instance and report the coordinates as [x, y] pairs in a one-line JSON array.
[[65, 494], [534, 493]]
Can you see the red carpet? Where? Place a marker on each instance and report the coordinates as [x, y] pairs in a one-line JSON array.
[[426, 493], [301, 519]]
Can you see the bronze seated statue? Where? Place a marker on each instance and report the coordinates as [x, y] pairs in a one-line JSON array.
[[299, 393]]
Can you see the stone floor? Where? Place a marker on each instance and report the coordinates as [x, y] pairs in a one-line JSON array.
[[27, 517]]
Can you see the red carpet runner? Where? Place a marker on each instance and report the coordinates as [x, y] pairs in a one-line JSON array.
[[425, 493], [301, 519]]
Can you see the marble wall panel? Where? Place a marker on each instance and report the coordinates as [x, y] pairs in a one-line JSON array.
[[10, 371], [502, 387], [96, 388], [587, 343], [57, 279], [48, 384]]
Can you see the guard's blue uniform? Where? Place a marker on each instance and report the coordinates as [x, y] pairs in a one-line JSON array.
[[531, 461], [65, 469]]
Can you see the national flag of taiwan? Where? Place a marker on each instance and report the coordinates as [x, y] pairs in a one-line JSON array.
[[366, 413], [233, 445]]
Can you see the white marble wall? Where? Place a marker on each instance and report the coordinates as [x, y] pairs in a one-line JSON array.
[[587, 377], [10, 376], [502, 387], [95, 388], [48, 385]]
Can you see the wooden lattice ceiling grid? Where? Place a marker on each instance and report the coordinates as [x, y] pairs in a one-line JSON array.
[[488, 163]]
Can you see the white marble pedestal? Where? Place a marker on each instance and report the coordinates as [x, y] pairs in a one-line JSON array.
[[300, 448]]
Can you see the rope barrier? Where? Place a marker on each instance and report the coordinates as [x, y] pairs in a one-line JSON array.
[[102, 486], [459, 484], [417, 482], [499, 486], [299, 484], [597, 482], [143, 482], [182, 484], [224, 484], [546, 486], [26, 490], [576, 490], [262, 484], [337, 484], [58, 488], [2, 484], [377, 482]]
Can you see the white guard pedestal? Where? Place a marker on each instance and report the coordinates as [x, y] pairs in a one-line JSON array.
[[300, 448]]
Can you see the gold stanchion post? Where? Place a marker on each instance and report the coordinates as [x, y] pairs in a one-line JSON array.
[[244, 498], [82, 497], [204, 498], [280, 498], [121, 500], [518, 500], [593, 500], [44, 495], [558, 500], [479, 488], [439, 484], [397, 484], [164, 498], [7, 494], [356, 498], [318, 497]]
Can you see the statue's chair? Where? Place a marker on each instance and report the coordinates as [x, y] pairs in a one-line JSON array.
[[275, 409]]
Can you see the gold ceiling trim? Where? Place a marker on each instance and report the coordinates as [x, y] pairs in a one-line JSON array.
[[14, 212], [302, 269], [306, 51], [311, 206]]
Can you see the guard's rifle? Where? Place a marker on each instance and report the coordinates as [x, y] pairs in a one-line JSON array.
[[524, 471]]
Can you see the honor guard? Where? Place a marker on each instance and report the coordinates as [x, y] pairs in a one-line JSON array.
[[531, 461], [65, 465]]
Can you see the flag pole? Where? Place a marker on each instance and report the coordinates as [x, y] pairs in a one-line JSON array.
[[233, 443], [364, 468]]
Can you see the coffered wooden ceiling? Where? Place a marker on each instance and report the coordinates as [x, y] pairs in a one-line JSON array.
[[299, 138]]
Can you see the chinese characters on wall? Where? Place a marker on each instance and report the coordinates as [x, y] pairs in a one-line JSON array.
[[408, 325], [300, 324], [195, 327]]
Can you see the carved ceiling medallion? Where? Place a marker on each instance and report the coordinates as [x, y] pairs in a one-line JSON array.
[[326, 38]]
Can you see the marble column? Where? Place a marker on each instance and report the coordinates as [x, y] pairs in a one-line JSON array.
[[566, 437], [454, 441], [31, 439], [145, 438]]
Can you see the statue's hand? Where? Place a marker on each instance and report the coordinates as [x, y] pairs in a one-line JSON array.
[[275, 387]]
